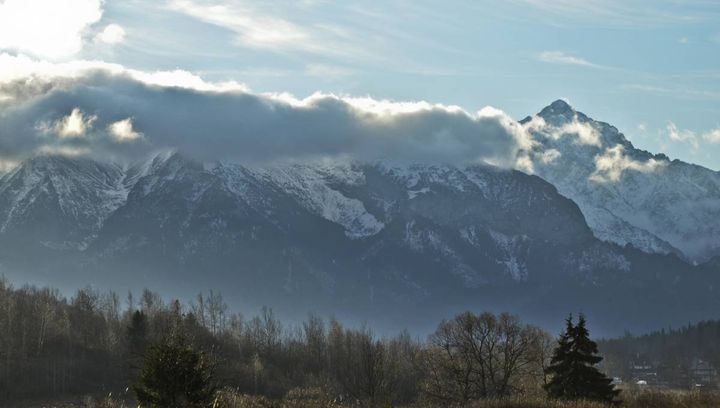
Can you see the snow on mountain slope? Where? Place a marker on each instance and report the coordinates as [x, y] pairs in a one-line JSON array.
[[66, 199], [628, 196], [398, 236], [312, 185]]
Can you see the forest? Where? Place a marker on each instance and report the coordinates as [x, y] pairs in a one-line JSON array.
[[93, 343], [54, 348]]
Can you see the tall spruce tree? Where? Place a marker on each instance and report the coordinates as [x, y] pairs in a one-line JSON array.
[[561, 367], [175, 375], [574, 375]]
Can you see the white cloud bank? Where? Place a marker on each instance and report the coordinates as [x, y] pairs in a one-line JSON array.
[[21, 75], [212, 121], [106, 110], [100, 109], [50, 29]]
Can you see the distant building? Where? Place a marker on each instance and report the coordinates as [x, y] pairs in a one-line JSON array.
[[703, 373], [644, 372]]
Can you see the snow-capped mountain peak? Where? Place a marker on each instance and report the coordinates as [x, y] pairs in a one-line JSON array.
[[399, 234], [558, 107], [629, 196]]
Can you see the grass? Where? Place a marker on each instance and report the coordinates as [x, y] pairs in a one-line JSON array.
[[631, 399], [315, 398]]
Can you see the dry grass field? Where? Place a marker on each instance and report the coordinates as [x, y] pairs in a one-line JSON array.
[[315, 399]]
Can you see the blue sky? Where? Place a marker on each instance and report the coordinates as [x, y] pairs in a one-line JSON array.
[[651, 68]]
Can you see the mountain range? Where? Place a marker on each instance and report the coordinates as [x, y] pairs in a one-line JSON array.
[[592, 224]]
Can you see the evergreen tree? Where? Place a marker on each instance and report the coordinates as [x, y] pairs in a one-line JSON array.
[[574, 375], [137, 333], [596, 385], [561, 367], [175, 375], [136, 343]]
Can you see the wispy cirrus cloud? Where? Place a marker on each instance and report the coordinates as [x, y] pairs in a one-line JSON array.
[[252, 28], [271, 30], [562, 58], [620, 12], [683, 92]]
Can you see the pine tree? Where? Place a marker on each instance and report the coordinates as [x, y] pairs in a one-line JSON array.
[[561, 367], [136, 343], [175, 375], [137, 333], [574, 375]]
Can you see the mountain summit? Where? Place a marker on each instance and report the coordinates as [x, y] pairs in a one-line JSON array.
[[629, 196], [559, 107]]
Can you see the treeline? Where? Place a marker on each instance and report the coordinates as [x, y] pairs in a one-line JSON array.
[[94, 343], [673, 350]]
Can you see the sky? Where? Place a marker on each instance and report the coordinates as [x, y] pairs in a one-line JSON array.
[[650, 68]]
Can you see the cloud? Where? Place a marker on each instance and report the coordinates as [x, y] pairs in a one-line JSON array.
[[712, 136], [211, 121], [691, 137], [561, 58], [76, 124], [22, 77], [268, 30], [111, 34], [685, 135], [550, 156], [525, 163], [683, 91], [46, 28], [69, 151], [584, 132], [632, 13], [252, 29], [122, 131], [8, 165], [610, 166]]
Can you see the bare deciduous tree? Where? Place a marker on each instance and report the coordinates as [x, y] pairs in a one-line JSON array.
[[479, 356]]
